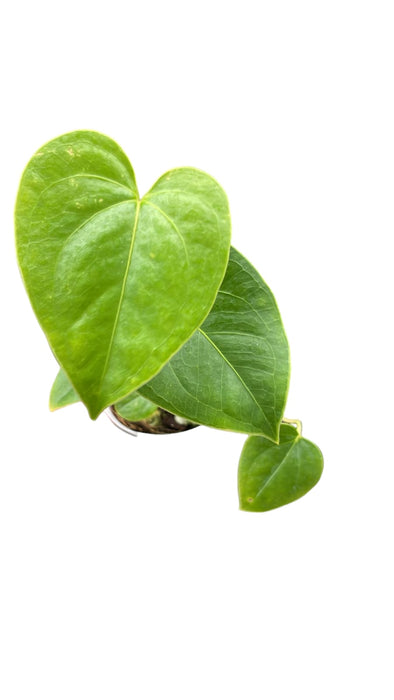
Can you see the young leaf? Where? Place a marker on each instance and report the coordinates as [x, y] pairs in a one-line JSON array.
[[233, 373], [135, 407], [118, 283], [62, 392], [272, 475]]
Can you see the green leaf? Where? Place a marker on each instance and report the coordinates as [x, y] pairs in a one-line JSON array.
[[135, 407], [118, 283], [272, 475], [62, 392], [233, 373]]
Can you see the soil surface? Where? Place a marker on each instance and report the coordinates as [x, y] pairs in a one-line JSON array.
[[161, 422]]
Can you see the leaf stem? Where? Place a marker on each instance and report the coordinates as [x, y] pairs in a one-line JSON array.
[[294, 421]]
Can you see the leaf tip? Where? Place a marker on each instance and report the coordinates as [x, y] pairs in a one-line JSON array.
[[94, 412], [53, 405], [246, 504]]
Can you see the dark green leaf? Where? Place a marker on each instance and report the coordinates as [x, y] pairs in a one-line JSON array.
[[233, 373], [272, 475], [118, 283]]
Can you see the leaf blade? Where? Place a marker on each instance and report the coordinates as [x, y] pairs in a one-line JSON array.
[[233, 373], [93, 256], [62, 393], [270, 476], [135, 407]]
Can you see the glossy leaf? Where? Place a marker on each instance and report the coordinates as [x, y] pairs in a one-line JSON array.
[[62, 392], [272, 475], [233, 373], [118, 283], [135, 407]]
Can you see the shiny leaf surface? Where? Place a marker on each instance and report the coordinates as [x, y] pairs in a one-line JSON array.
[[272, 475], [118, 283], [233, 373]]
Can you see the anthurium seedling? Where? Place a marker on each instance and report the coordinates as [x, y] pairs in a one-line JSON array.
[[152, 315]]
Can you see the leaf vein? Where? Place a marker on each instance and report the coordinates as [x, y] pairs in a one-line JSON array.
[[172, 223], [236, 373], [84, 223], [280, 465]]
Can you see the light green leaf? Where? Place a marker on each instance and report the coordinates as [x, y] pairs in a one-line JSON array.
[[233, 373], [118, 283], [135, 407], [272, 475], [62, 392]]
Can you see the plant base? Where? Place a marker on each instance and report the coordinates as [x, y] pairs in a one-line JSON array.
[[161, 422]]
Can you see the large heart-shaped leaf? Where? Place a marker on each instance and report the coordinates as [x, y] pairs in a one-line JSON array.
[[118, 283], [272, 475], [233, 373]]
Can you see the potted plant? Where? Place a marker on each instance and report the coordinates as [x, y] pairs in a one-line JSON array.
[[150, 312]]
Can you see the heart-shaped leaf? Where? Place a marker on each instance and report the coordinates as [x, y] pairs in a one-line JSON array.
[[233, 373], [272, 475], [118, 283]]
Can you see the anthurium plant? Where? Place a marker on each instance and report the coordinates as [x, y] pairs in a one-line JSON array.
[[152, 315]]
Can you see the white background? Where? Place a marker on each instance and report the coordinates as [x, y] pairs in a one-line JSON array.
[[127, 570]]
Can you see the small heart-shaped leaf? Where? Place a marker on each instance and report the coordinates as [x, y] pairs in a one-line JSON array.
[[272, 475], [118, 283]]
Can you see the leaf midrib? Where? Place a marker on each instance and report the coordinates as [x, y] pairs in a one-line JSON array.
[[122, 292], [227, 361], [280, 465]]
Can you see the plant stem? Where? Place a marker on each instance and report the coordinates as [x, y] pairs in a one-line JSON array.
[[294, 421]]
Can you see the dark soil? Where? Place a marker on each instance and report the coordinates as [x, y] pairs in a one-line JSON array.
[[160, 423]]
